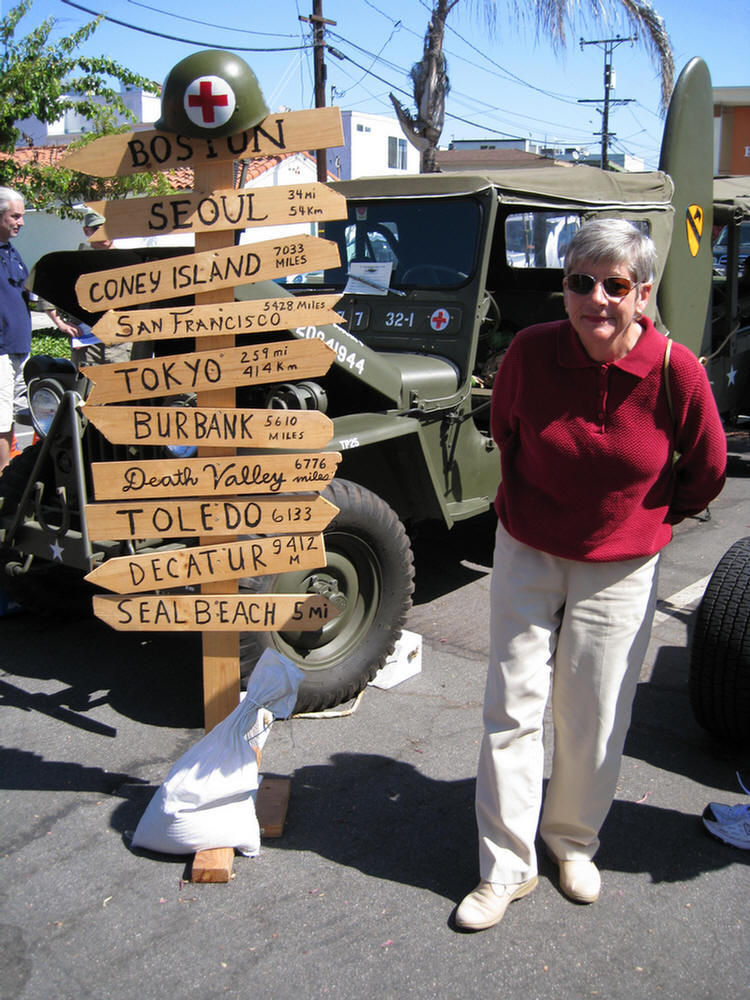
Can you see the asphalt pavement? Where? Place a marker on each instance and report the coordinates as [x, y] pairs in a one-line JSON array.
[[355, 899]]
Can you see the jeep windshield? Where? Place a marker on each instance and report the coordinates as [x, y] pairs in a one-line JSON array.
[[402, 244]]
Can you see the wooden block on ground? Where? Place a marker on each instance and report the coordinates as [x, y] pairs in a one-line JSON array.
[[214, 865], [271, 805]]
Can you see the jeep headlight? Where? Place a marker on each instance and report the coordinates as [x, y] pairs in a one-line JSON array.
[[45, 397]]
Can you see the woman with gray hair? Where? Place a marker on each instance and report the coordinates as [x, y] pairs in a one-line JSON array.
[[589, 493], [15, 320]]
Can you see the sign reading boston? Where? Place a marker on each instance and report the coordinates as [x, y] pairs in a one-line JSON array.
[[203, 272]]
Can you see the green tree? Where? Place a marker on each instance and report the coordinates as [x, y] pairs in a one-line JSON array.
[[552, 17], [43, 79]]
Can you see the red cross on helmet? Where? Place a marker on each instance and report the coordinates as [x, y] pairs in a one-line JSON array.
[[210, 94]]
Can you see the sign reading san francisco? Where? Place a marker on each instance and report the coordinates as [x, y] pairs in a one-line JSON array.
[[214, 476], [203, 563], [204, 272], [221, 612], [254, 316], [181, 373], [193, 518], [234, 208], [189, 425]]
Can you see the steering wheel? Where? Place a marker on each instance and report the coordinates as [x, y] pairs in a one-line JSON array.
[[432, 274]]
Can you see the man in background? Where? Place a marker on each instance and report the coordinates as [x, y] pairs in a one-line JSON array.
[[15, 319]]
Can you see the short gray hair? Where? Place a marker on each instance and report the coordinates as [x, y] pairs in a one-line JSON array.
[[8, 195], [612, 241]]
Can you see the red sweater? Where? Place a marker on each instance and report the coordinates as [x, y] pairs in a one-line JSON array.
[[586, 448]]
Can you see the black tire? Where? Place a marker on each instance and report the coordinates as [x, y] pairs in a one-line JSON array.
[[719, 680], [46, 588], [370, 575]]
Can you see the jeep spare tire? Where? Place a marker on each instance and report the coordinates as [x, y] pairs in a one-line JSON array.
[[719, 680], [369, 576]]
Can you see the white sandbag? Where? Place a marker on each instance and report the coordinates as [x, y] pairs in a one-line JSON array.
[[208, 798]]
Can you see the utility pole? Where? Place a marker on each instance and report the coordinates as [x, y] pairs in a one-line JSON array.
[[318, 22], [609, 45]]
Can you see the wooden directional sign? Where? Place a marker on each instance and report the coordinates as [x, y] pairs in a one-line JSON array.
[[241, 428], [234, 208], [180, 373], [254, 316], [215, 612], [214, 476], [168, 568], [149, 150], [203, 272], [194, 518]]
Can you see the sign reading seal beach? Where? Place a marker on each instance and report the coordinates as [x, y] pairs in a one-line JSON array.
[[204, 272]]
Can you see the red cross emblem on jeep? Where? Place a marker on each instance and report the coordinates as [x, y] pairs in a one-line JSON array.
[[439, 319], [209, 101]]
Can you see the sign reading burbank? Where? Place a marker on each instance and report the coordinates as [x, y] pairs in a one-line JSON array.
[[149, 150], [281, 361], [220, 612], [210, 476], [203, 272], [211, 426], [203, 563], [234, 208], [226, 318], [193, 518]]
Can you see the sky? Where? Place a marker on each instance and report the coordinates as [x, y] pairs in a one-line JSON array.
[[508, 83]]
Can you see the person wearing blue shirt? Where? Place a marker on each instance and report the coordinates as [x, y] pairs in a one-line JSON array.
[[15, 320]]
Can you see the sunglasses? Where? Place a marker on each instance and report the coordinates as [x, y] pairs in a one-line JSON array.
[[615, 287]]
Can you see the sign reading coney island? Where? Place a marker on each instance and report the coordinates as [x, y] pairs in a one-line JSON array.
[[215, 613], [254, 316], [214, 476], [203, 272], [150, 150], [188, 425], [193, 518], [236, 208], [180, 373], [198, 564]]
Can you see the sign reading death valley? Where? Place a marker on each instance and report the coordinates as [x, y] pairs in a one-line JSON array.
[[285, 429], [202, 212], [214, 476], [204, 272], [194, 518], [254, 316], [179, 373], [199, 564], [149, 150], [225, 612]]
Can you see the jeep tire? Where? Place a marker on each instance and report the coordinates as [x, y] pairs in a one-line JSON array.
[[369, 576], [719, 679]]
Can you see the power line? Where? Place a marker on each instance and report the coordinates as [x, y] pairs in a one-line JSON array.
[[174, 38]]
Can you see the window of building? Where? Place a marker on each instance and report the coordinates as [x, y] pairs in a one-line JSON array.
[[396, 153]]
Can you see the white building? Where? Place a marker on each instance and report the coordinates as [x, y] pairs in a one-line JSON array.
[[145, 106], [374, 145]]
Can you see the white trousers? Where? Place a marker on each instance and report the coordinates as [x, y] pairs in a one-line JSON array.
[[586, 627]]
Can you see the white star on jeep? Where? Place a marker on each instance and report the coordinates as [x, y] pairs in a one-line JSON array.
[[56, 550], [731, 375]]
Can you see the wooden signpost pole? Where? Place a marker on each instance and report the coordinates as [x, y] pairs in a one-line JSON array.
[[221, 650]]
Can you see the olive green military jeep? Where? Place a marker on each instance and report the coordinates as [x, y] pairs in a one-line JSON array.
[[437, 274]]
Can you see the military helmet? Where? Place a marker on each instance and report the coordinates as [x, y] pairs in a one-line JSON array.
[[210, 94]]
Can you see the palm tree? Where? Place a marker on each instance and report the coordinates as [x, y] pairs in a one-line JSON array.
[[430, 78]]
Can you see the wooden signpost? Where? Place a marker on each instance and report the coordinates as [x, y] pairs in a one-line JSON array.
[[208, 501]]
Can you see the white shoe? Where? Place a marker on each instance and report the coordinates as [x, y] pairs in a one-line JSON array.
[[486, 905], [580, 880]]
